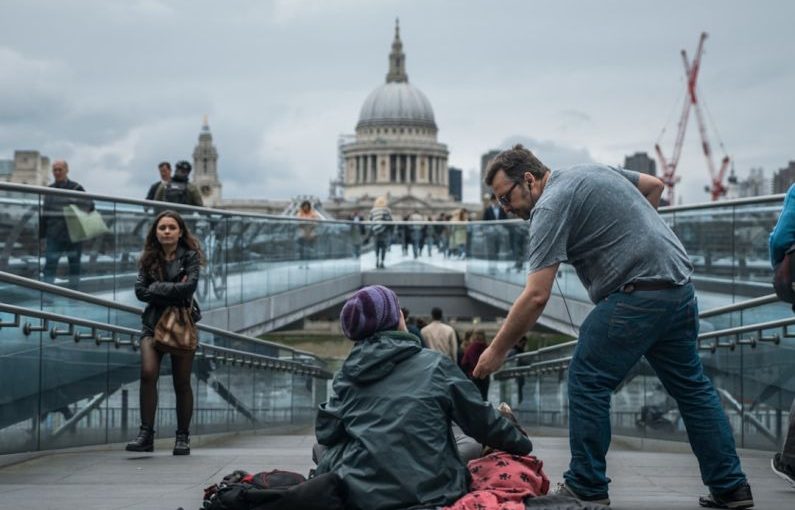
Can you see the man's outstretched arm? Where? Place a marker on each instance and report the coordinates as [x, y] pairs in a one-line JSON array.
[[523, 316]]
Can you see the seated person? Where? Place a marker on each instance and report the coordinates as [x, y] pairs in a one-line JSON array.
[[387, 427]]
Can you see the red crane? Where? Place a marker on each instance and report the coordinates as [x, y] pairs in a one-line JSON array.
[[669, 178]]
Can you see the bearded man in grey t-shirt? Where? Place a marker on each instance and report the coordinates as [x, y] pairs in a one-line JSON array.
[[603, 221]]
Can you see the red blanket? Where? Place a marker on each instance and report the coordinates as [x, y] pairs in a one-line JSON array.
[[501, 481]]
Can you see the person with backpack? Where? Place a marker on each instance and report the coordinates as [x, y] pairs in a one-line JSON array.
[[782, 240], [179, 190], [387, 427], [167, 277], [379, 215]]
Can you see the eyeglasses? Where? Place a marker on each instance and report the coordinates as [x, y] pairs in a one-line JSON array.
[[506, 198]]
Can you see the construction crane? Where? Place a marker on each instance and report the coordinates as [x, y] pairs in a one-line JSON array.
[[716, 189]]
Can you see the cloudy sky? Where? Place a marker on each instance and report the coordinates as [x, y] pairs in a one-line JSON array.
[[115, 86]]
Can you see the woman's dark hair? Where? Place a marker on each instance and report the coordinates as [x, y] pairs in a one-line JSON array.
[[152, 257], [515, 162], [305, 204]]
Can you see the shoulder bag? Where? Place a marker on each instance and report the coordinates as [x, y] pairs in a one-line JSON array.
[[175, 332]]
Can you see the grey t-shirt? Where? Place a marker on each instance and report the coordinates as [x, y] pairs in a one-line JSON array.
[[595, 218]]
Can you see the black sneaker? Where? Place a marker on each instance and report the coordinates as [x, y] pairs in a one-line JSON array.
[[739, 497], [782, 470], [563, 489]]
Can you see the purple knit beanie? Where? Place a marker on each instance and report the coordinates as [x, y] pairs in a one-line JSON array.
[[370, 310]]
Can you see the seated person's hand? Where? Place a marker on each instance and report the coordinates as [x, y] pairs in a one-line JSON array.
[[505, 410]]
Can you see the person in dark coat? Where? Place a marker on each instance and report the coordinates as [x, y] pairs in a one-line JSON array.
[[53, 230], [470, 360], [180, 190], [168, 275], [165, 178], [387, 426]]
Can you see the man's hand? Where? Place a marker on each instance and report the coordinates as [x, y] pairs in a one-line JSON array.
[[490, 360], [523, 315]]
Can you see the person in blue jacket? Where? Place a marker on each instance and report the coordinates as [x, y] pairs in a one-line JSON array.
[[387, 426], [781, 239]]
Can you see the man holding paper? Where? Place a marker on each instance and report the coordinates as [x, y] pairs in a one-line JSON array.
[[53, 230]]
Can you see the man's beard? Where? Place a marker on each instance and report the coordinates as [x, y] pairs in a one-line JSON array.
[[524, 212]]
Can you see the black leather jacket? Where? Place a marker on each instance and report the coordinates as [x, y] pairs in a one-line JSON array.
[[160, 294]]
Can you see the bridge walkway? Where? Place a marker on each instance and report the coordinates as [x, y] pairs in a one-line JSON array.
[[664, 476]]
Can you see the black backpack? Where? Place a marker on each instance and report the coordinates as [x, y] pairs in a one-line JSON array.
[[784, 277], [274, 490], [176, 192]]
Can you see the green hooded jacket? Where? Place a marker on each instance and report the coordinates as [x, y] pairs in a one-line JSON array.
[[388, 425]]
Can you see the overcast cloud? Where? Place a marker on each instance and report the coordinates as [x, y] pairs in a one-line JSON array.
[[116, 86]]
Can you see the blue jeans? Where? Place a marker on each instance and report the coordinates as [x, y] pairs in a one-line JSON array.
[[663, 326]]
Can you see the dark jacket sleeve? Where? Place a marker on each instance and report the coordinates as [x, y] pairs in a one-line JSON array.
[[84, 203], [479, 419], [44, 216], [177, 293], [329, 428], [142, 287], [150, 195], [194, 196]]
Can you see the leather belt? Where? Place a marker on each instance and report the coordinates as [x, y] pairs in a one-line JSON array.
[[631, 287]]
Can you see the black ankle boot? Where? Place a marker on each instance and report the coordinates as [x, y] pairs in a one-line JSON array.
[[145, 442], [182, 443]]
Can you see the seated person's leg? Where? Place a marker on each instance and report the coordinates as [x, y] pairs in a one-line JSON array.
[[468, 448]]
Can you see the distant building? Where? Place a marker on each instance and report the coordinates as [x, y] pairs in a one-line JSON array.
[[485, 159], [27, 167], [205, 168], [641, 162], [6, 169], [755, 185], [784, 178], [455, 183], [396, 152]]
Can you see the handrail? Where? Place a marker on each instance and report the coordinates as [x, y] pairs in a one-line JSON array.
[[88, 298], [723, 203], [46, 190], [228, 212], [736, 331], [56, 317], [742, 305], [264, 361]]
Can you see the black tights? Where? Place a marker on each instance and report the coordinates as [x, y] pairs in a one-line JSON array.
[[180, 372]]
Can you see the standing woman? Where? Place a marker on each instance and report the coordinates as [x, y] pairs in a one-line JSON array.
[[167, 276]]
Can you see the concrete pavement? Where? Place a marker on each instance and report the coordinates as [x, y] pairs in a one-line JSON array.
[[108, 478]]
